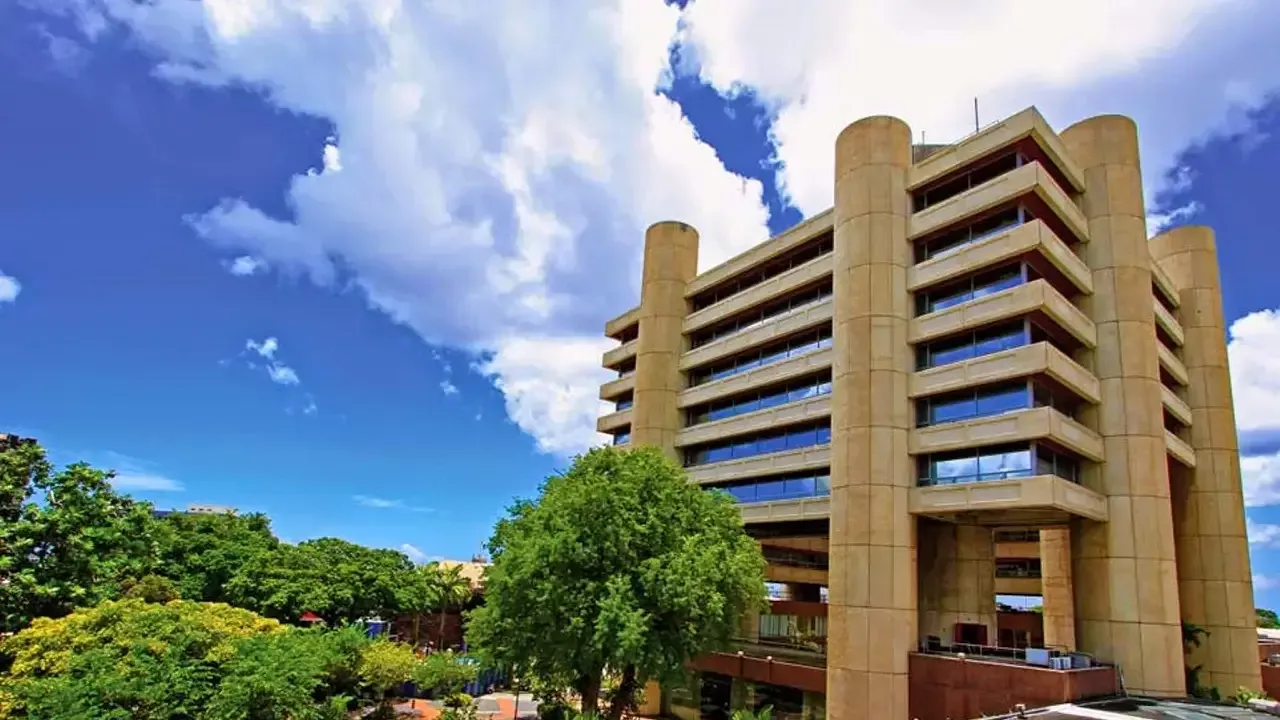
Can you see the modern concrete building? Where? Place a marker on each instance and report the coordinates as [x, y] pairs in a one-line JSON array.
[[975, 375]]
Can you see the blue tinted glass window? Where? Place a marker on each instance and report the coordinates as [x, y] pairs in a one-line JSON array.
[[822, 485], [801, 438], [622, 438], [952, 411], [995, 403], [998, 466], [770, 490], [950, 355], [775, 443], [823, 436], [954, 469], [800, 487]]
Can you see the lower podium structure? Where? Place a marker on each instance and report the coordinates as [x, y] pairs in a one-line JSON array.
[[979, 422]]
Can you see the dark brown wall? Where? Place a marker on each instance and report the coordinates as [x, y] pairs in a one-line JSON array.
[[429, 629], [945, 688], [1030, 622], [773, 672]]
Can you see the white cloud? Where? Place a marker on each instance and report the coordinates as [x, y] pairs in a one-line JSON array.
[[448, 388], [279, 373], [282, 374], [926, 61], [491, 176], [246, 265], [9, 288], [136, 481], [267, 348], [379, 503], [1254, 353], [494, 166], [413, 553], [1264, 582], [1264, 534], [134, 474]]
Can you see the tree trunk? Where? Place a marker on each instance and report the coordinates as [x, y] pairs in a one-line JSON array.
[[621, 700], [443, 609], [589, 690]]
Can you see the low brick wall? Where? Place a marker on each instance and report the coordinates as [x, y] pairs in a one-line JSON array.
[[944, 687]]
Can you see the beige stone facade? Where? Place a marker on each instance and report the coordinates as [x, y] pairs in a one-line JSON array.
[[974, 376]]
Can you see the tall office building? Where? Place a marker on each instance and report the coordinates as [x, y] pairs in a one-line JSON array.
[[974, 376]]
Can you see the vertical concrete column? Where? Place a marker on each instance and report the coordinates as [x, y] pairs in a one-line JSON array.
[[670, 262], [1124, 570], [872, 601], [1215, 582], [1057, 599], [957, 579]]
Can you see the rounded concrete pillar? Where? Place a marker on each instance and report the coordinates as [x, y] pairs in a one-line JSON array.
[[1215, 582], [1057, 603], [872, 601], [1124, 570], [670, 263]]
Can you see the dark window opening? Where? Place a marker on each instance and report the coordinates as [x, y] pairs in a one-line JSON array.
[[760, 315], [819, 246], [802, 343], [760, 399]]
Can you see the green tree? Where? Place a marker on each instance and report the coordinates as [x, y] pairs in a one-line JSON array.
[[124, 659], [337, 580], [444, 673], [418, 595], [1268, 619], [202, 552], [67, 538], [449, 589], [620, 565], [150, 588]]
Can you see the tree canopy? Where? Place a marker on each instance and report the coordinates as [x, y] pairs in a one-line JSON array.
[[620, 565], [67, 538], [1267, 619], [130, 660]]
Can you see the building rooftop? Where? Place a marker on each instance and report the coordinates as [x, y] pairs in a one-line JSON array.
[[1153, 709]]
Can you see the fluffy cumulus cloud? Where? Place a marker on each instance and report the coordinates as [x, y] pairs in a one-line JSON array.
[[9, 288], [493, 166], [926, 61], [488, 162], [1254, 353], [279, 373]]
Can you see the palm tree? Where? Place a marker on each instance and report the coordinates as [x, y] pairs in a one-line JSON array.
[[450, 588], [420, 595]]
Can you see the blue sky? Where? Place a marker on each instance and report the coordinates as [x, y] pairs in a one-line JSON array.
[[344, 266]]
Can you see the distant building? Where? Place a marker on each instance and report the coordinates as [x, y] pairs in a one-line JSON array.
[[196, 510], [9, 441]]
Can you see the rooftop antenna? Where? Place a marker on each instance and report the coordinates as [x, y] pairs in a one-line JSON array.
[[976, 126]]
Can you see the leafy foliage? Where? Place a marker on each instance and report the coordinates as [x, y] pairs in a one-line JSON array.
[[67, 539], [202, 552], [1268, 619], [444, 673], [337, 580], [620, 564]]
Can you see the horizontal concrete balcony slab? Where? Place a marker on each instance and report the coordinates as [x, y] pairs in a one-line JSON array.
[[1032, 237], [1028, 179], [1017, 550], [1039, 499], [1161, 280], [616, 388], [1040, 358], [799, 319], [1179, 450], [786, 510], [763, 252], [622, 322], [1018, 586], [793, 574], [792, 413], [1171, 364], [1028, 123], [1040, 423], [1037, 296], [810, 458], [806, 543], [797, 277], [1176, 406], [1167, 322], [780, 371], [613, 421], [616, 356]]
